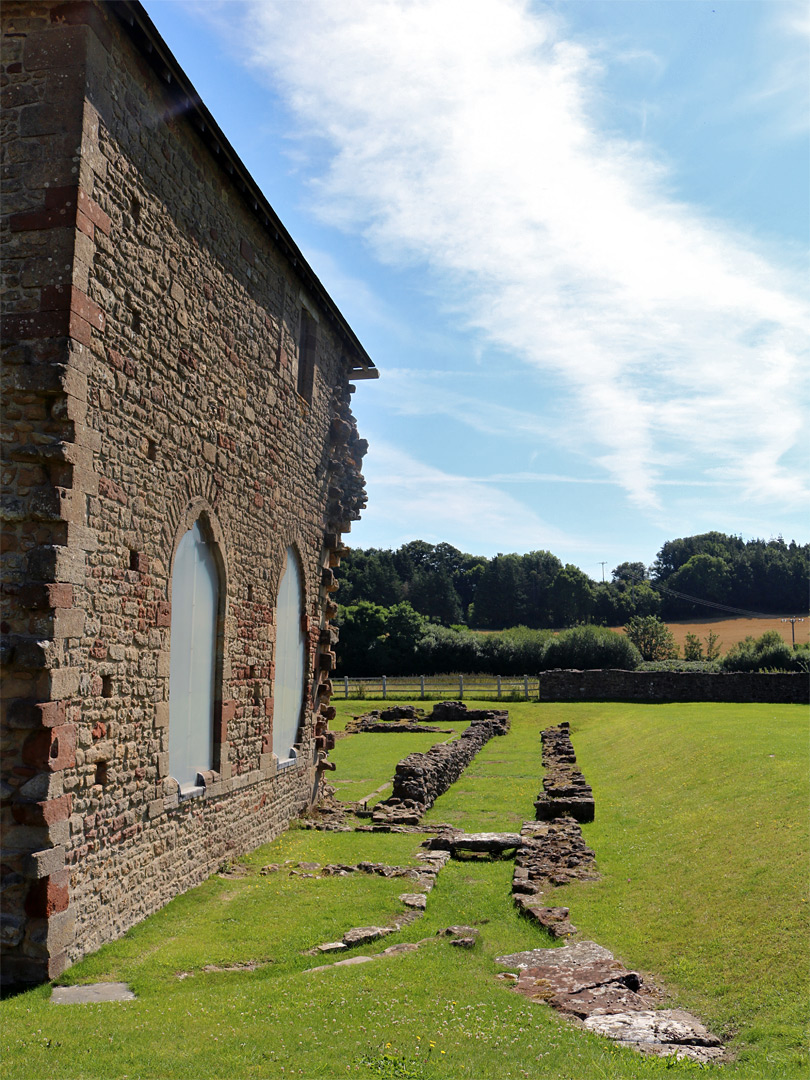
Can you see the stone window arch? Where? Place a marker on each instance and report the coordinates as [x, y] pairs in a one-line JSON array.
[[290, 660], [195, 654]]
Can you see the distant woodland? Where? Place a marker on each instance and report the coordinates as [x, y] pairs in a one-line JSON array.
[[691, 577]]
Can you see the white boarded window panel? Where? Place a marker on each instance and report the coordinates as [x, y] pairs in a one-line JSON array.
[[195, 599], [288, 685]]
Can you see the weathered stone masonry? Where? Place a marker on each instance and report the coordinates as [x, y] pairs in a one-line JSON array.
[[152, 322]]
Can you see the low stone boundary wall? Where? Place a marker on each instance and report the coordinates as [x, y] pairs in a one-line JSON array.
[[421, 778], [612, 684]]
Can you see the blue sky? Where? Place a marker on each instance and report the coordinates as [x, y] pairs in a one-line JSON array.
[[572, 236]]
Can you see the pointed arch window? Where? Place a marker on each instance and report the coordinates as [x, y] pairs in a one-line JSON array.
[[288, 684], [193, 658]]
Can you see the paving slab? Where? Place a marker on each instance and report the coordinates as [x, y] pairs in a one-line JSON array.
[[92, 993]]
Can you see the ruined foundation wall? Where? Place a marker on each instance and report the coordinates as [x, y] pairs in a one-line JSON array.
[[174, 393], [420, 779]]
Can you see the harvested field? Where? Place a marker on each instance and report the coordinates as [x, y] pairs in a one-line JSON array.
[[730, 631]]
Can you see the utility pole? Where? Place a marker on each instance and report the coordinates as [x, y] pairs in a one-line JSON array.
[[603, 565], [793, 622]]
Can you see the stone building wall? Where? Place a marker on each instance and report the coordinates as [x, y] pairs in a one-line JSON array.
[[154, 308], [663, 686]]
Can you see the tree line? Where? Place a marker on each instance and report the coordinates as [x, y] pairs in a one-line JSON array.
[[453, 588]]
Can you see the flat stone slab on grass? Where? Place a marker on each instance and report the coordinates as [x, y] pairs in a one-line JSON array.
[[362, 935], [585, 981], [664, 1032], [417, 901], [583, 952], [489, 842], [91, 993]]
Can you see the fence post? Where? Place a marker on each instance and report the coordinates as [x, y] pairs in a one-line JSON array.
[[384, 688], [461, 687], [526, 686], [499, 688], [345, 686], [422, 687]]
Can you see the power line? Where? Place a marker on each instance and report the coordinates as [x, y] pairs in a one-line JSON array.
[[711, 603], [705, 603]]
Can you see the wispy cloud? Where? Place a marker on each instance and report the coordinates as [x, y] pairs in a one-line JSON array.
[[461, 137], [412, 499]]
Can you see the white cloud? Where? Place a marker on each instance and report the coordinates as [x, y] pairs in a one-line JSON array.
[[461, 138], [408, 499]]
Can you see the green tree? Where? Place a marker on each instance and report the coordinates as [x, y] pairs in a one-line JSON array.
[[630, 573], [693, 648], [571, 596], [652, 637], [501, 593], [432, 593], [705, 576]]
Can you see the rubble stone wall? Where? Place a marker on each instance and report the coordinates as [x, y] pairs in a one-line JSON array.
[[151, 381], [663, 686], [421, 778]]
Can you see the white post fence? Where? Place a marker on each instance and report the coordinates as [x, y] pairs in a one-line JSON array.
[[487, 687]]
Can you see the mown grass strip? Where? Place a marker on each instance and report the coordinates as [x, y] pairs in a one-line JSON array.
[[701, 837]]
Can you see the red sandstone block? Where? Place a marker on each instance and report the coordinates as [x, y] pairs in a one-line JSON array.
[[164, 613], [122, 363], [110, 490], [68, 297], [60, 198], [51, 748], [35, 220], [48, 896], [90, 208], [80, 330], [40, 597], [247, 252], [85, 225], [35, 324], [42, 813]]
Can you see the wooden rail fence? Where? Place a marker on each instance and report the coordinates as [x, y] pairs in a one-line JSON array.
[[512, 687]]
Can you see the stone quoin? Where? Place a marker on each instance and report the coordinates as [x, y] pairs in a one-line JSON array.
[[180, 460]]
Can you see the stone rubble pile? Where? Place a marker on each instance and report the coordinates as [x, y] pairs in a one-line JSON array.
[[585, 982], [565, 790], [372, 722], [421, 778], [550, 854]]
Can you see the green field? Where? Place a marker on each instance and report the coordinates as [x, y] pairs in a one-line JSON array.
[[701, 840]]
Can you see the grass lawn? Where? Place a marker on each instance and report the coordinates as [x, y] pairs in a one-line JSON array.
[[700, 836], [362, 771]]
